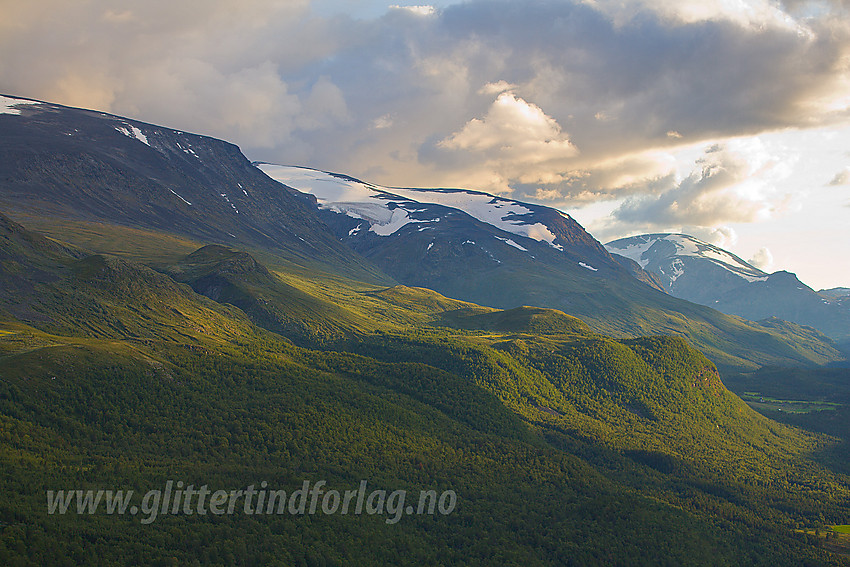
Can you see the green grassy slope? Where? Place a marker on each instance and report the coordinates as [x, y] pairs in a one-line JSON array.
[[563, 446], [312, 290], [87, 413], [633, 309]]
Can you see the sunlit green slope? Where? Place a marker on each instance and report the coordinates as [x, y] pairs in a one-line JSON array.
[[563, 446]]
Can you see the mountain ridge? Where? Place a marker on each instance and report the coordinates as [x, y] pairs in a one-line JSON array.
[[100, 180], [81, 165]]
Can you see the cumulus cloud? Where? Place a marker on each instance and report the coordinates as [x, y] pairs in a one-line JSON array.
[[542, 194], [731, 182], [762, 259], [513, 128], [514, 141]]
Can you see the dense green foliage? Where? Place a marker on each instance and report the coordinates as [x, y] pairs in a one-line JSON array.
[[79, 416], [816, 399], [564, 447]]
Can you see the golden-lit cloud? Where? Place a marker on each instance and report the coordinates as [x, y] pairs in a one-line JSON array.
[[513, 128], [516, 140], [732, 182]]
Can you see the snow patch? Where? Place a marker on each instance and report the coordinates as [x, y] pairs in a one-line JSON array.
[[634, 250], [181, 198], [188, 150], [133, 132], [510, 242], [232, 206], [333, 190], [385, 212], [589, 267], [753, 278], [398, 219], [678, 270], [10, 105], [501, 213]]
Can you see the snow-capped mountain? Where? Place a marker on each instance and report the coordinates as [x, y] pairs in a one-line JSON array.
[[671, 256], [371, 212], [439, 238], [498, 252], [704, 273]]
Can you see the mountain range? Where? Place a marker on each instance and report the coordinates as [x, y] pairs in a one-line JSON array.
[[504, 254], [170, 312], [703, 273]]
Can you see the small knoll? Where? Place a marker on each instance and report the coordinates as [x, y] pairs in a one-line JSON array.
[[224, 260], [523, 319], [424, 300]]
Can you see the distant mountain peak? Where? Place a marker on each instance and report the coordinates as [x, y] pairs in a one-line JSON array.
[[704, 273], [649, 249]]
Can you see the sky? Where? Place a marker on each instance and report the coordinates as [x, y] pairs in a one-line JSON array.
[[725, 119]]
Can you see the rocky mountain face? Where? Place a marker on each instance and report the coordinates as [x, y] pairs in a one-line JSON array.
[[69, 163], [422, 235]]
